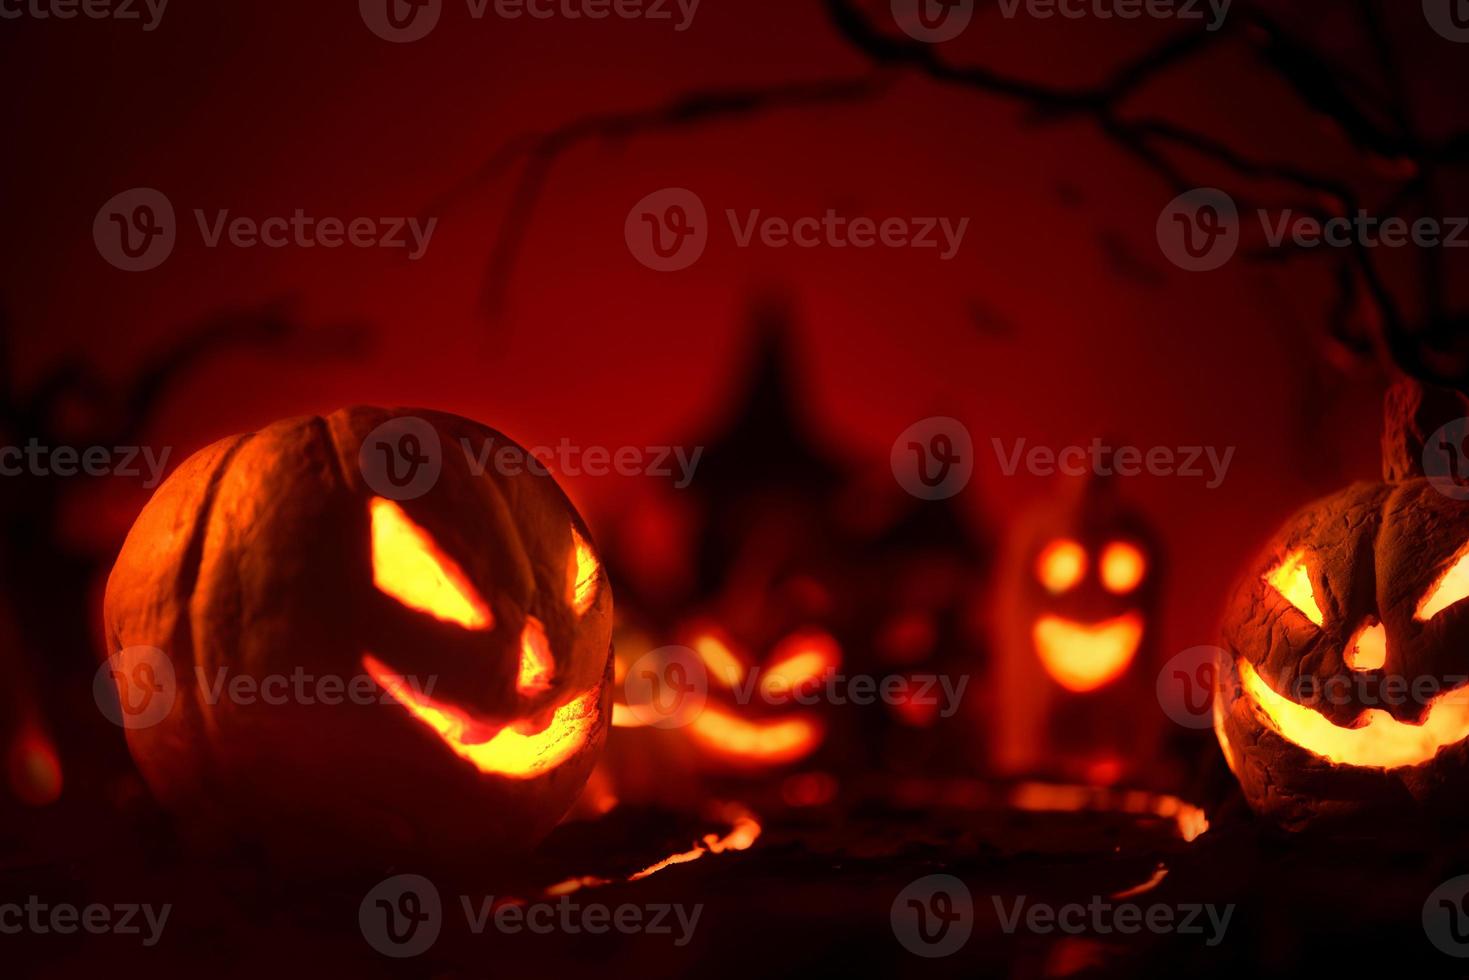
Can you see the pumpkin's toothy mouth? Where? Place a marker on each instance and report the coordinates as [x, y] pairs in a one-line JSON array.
[[1378, 741], [1085, 656], [510, 750]]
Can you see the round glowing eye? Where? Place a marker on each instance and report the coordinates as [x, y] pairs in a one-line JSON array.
[[1061, 565], [1123, 567]]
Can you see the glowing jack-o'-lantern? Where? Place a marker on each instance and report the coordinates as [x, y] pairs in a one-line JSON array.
[[1344, 691], [1076, 612], [425, 675], [750, 715]]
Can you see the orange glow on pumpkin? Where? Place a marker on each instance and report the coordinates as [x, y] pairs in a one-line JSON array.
[[625, 717], [1085, 656], [761, 742], [1452, 586], [724, 668], [1368, 649], [1378, 740], [512, 751], [798, 661], [1293, 581], [407, 565], [1123, 567], [537, 666], [582, 573], [1061, 565]]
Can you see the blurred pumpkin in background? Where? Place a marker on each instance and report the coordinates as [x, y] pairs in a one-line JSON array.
[[1077, 616]]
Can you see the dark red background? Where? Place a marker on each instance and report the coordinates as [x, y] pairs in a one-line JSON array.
[[1059, 320]]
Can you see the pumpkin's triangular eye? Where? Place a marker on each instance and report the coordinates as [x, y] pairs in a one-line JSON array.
[[582, 573], [537, 666], [407, 565], [1451, 586], [1293, 581]]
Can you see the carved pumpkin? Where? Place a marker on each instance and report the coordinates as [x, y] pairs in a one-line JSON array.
[[1343, 694], [474, 617], [1077, 610]]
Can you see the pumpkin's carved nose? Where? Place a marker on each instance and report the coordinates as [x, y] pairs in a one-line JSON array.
[[1367, 650]]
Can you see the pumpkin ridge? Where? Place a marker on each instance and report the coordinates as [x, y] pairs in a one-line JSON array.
[[339, 464], [192, 560]]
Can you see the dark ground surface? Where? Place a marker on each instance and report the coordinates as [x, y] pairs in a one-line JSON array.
[[813, 896]]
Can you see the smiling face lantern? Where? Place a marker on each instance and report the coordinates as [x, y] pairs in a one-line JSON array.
[[1343, 694], [1077, 608], [426, 675]]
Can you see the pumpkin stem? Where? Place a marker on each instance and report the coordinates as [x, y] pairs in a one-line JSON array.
[[1412, 413]]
